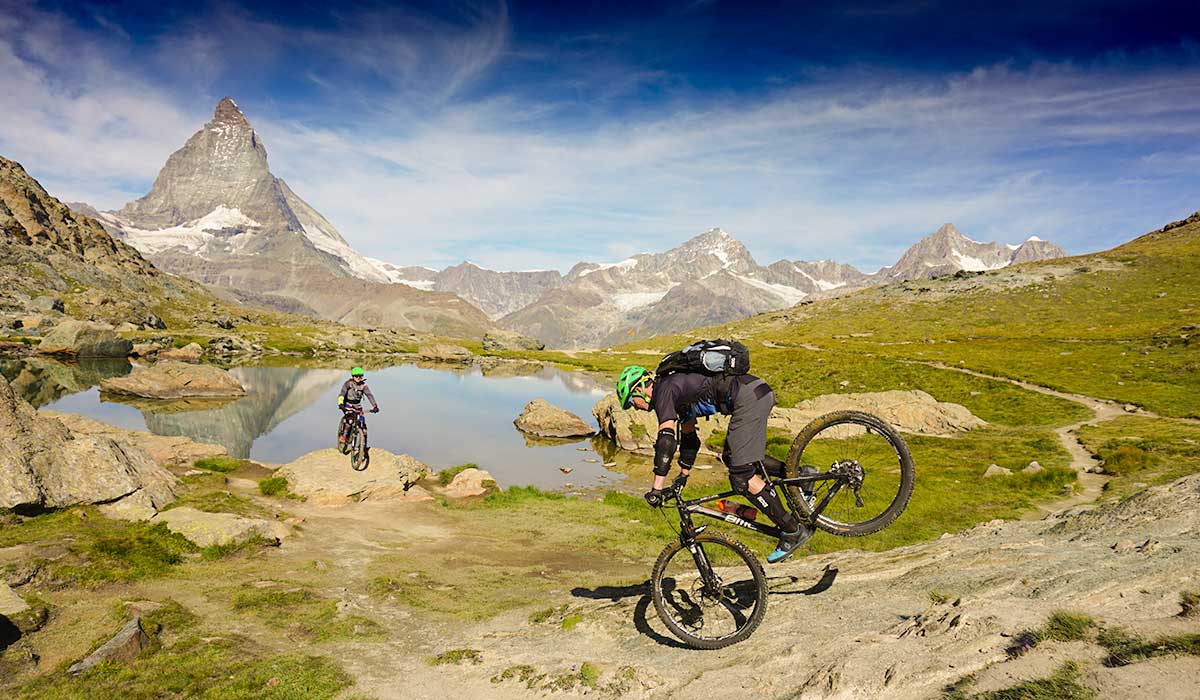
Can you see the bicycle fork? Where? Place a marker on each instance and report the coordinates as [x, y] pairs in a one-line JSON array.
[[687, 535]]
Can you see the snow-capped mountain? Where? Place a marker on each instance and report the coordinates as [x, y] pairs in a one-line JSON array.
[[947, 251], [709, 279], [496, 293], [216, 214]]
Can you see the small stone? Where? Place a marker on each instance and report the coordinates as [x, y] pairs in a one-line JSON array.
[[1033, 468], [996, 470], [566, 470], [125, 646], [843, 383], [610, 464], [1130, 408]]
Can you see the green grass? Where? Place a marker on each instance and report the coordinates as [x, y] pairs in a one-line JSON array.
[[589, 674], [1126, 648], [222, 465], [447, 475], [296, 608], [221, 502], [1140, 450], [1063, 684], [1189, 604], [571, 621], [456, 657], [199, 664], [1067, 627], [276, 486]]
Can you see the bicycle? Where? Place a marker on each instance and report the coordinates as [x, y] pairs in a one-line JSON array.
[[717, 596], [354, 426]]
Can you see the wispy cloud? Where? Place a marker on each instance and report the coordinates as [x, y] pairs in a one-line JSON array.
[[428, 139]]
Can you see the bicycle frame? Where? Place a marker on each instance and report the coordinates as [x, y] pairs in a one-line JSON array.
[[688, 529]]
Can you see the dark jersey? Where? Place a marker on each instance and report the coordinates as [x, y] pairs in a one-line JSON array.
[[352, 393], [685, 395]]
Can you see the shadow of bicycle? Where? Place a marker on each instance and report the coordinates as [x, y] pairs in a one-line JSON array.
[[777, 585]]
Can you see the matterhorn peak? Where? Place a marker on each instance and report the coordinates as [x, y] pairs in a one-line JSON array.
[[948, 231], [227, 112]]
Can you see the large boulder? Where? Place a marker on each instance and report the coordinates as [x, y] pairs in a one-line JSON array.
[[325, 478], [544, 419], [192, 352], [11, 604], [499, 340], [445, 352], [632, 430], [84, 339], [48, 304], [468, 483], [205, 529], [908, 411], [44, 465], [166, 450], [171, 379]]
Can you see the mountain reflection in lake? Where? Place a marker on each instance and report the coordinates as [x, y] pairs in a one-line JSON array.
[[442, 417]]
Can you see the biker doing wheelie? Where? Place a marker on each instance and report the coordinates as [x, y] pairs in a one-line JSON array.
[[678, 399], [350, 402]]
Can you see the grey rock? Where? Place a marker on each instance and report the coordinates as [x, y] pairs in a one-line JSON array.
[[10, 603], [224, 323], [445, 352], [84, 339], [44, 465], [219, 529], [543, 419], [325, 478], [469, 483], [1033, 468], [124, 646], [192, 352], [996, 470], [171, 379], [153, 321], [498, 340], [48, 304]]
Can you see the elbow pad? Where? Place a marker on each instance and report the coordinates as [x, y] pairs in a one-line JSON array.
[[689, 447], [664, 450]]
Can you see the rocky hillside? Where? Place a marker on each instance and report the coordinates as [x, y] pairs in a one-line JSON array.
[[216, 214]]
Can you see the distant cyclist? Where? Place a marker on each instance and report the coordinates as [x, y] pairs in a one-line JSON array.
[[350, 401], [678, 399]]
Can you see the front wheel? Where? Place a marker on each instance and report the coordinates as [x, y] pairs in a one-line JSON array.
[[710, 615], [359, 459], [868, 467]]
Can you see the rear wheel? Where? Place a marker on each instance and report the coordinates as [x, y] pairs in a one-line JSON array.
[[872, 465], [710, 616]]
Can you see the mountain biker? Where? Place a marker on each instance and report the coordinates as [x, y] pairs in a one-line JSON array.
[[350, 401], [678, 399]]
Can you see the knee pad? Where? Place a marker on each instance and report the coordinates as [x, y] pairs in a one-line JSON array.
[[664, 450], [689, 448], [740, 476]]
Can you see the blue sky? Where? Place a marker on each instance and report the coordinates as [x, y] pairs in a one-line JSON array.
[[533, 135]]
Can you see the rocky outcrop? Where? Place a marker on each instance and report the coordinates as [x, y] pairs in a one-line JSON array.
[[469, 483], [500, 340], [84, 339], [908, 411], [444, 352], [632, 430], [170, 379], [166, 450], [541, 418], [220, 529], [325, 478], [43, 465], [124, 646], [11, 604], [192, 352]]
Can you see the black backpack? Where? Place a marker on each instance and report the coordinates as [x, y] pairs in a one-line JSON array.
[[710, 357]]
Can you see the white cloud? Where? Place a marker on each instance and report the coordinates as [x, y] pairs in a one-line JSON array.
[[853, 164]]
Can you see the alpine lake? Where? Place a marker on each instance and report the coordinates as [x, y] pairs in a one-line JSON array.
[[443, 415]]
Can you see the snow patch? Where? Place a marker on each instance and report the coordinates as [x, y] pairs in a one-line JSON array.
[[1035, 239], [823, 285], [326, 242], [192, 236], [790, 295], [628, 301], [970, 264], [627, 264]]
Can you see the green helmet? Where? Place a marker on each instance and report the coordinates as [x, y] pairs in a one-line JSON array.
[[631, 378], [357, 372]]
